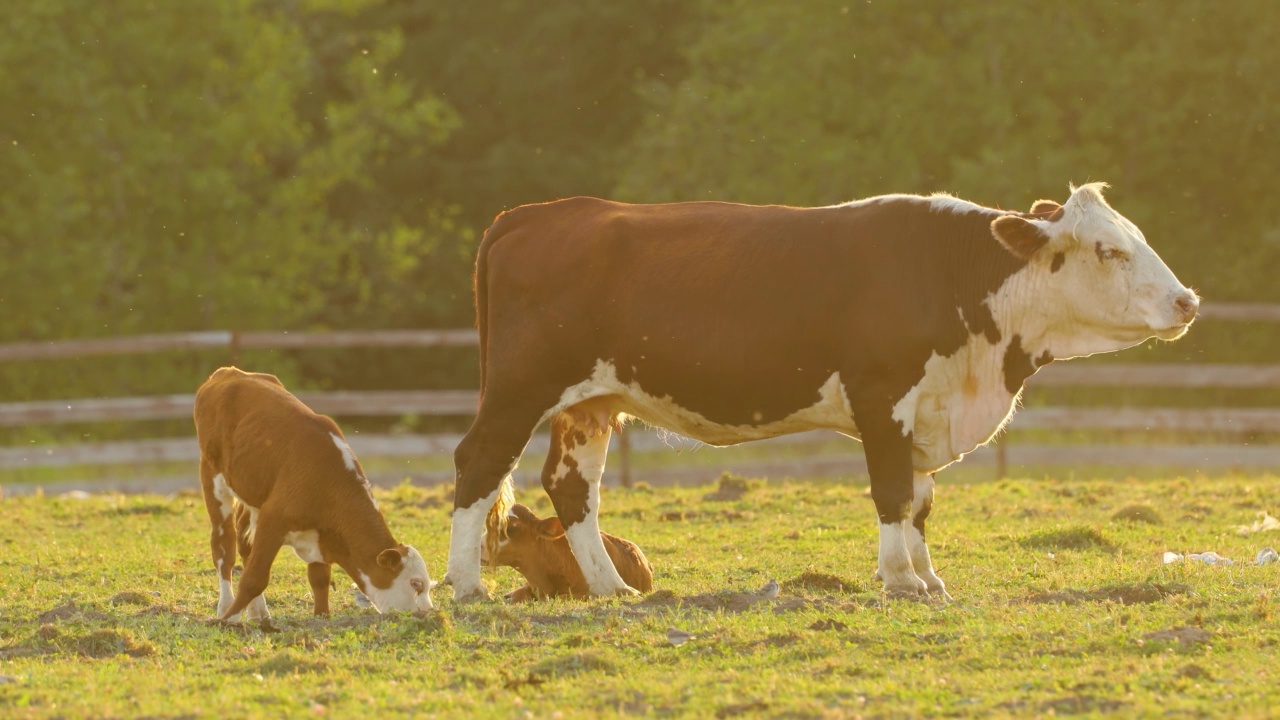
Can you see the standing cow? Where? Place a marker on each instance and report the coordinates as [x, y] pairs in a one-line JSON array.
[[908, 322]]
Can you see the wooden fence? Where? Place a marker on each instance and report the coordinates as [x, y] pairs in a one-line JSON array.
[[1225, 420]]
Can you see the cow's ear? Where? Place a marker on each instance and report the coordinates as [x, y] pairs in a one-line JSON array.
[[1044, 207], [391, 558], [1021, 236], [551, 528]]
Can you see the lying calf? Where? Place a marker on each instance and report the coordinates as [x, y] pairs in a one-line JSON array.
[[539, 551], [275, 473]]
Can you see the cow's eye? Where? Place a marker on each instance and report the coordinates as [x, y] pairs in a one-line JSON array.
[[1111, 253], [418, 585]]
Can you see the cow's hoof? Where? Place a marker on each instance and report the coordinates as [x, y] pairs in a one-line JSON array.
[[627, 591], [464, 595], [907, 589]]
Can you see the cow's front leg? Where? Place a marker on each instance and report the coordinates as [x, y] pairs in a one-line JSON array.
[[921, 504], [888, 448]]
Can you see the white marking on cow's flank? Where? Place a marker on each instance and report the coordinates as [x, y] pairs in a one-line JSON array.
[[830, 412]]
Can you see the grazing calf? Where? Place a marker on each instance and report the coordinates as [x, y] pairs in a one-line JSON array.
[[276, 473], [539, 551]]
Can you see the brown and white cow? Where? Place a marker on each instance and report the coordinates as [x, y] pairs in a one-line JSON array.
[[908, 322], [275, 473], [538, 550]]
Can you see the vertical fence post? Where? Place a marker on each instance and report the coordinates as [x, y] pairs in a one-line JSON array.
[[1002, 458], [235, 348], [624, 457]]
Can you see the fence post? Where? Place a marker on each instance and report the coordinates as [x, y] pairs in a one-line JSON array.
[[624, 457], [235, 348], [1002, 458]]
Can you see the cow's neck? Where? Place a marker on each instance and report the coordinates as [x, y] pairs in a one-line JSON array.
[[364, 536]]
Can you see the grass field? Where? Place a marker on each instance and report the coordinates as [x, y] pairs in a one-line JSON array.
[[1062, 607]]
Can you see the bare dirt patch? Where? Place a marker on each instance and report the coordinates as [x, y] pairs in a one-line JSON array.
[[1186, 636], [69, 611]]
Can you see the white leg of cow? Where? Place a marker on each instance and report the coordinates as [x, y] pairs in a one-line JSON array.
[[466, 535], [896, 569], [921, 504], [226, 593], [571, 477], [257, 609]]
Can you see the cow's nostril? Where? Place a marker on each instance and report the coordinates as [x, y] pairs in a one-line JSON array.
[[1187, 304]]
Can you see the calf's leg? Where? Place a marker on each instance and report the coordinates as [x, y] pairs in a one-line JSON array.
[[318, 575], [571, 476], [267, 540]]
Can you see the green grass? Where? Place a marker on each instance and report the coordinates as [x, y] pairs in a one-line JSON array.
[[1062, 606]]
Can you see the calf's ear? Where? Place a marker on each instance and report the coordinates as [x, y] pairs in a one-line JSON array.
[[551, 528], [391, 558], [1019, 235]]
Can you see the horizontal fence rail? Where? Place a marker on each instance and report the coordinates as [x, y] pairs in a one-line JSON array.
[[1227, 421], [1061, 374], [167, 407], [233, 341]]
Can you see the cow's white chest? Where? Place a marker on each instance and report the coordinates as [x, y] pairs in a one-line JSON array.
[[961, 402], [830, 412], [306, 543]]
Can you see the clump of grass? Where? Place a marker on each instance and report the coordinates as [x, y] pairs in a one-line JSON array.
[[823, 582], [107, 643], [731, 487], [1137, 594], [587, 661], [131, 597], [286, 662], [1138, 514], [1074, 538]]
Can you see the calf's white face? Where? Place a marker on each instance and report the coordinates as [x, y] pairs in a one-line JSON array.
[[1103, 286], [411, 588]]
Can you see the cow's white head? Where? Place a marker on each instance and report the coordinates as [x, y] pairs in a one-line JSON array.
[[400, 581], [1093, 282]]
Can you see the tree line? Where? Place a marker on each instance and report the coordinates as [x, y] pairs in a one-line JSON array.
[[331, 164]]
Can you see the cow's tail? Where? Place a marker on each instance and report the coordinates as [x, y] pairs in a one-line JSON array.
[[480, 286], [496, 521], [495, 526]]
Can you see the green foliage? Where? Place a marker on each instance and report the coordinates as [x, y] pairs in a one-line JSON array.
[[122, 629], [1001, 102]]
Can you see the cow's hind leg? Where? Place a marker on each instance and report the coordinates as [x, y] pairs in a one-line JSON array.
[[571, 476], [218, 501], [921, 504], [484, 461], [246, 519]]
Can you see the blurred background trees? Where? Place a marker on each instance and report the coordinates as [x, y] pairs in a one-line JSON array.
[[311, 164]]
